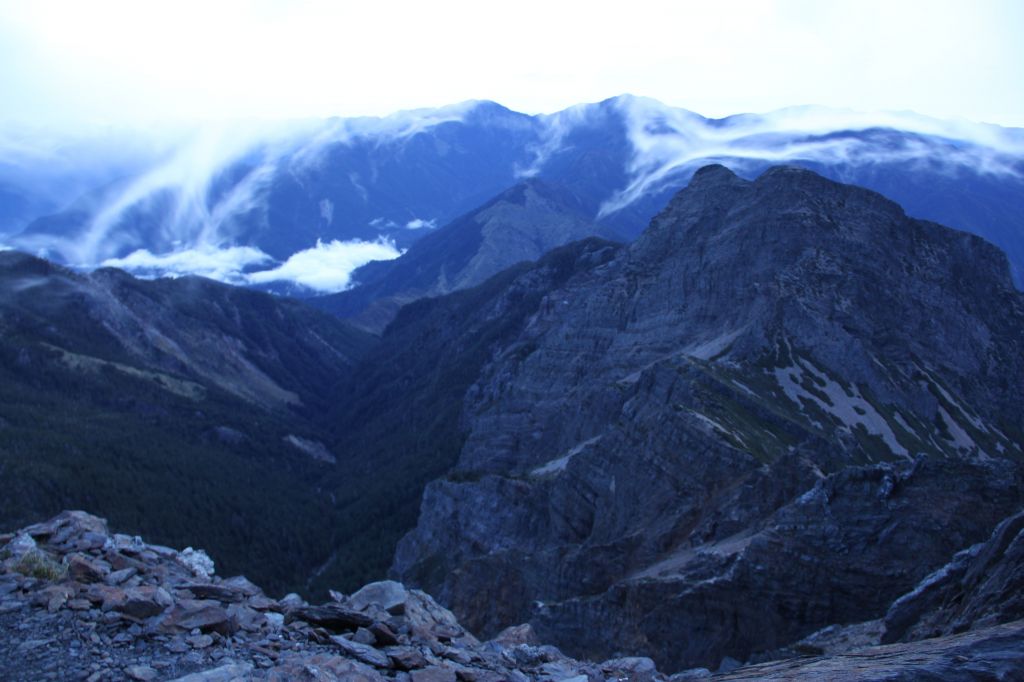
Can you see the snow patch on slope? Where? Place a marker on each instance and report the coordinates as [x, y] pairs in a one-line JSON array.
[[556, 466], [851, 409]]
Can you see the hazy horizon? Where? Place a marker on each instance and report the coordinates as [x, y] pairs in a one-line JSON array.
[[66, 65]]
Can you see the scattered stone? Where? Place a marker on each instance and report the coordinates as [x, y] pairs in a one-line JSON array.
[[84, 570], [362, 652], [141, 672], [364, 636], [119, 577], [458, 655], [262, 603], [54, 597], [691, 675], [275, 621], [387, 594], [30, 644], [638, 668], [406, 657], [199, 641], [225, 673], [203, 614], [243, 585], [19, 546], [109, 598], [434, 673], [383, 634], [220, 592], [334, 616], [177, 646], [197, 561], [143, 602], [248, 619], [517, 634]]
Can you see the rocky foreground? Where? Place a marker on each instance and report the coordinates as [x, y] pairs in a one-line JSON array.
[[80, 603]]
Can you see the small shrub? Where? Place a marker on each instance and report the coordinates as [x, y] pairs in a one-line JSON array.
[[37, 564]]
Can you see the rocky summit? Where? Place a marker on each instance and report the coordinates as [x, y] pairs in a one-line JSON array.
[[779, 410]]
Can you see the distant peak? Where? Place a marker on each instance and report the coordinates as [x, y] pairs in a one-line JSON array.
[[787, 172], [521, 192], [794, 176], [713, 174]]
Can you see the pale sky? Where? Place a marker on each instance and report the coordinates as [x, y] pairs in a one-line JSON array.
[[65, 63]]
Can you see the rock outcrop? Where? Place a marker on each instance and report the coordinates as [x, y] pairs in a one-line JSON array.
[[982, 586], [995, 653], [779, 409]]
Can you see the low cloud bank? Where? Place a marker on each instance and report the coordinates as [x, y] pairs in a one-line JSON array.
[[225, 265], [326, 268], [666, 140]]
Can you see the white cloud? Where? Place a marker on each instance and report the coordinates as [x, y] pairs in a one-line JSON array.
[[667, 141], [226, 265], [183, 179], [419, 224], [328, 266]]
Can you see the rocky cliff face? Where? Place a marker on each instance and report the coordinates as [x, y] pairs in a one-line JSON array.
[[980, 587], [780, 408], [398, 425]]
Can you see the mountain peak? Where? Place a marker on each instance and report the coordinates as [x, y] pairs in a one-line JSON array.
[[756, 339], [552, 193], [713, 174]]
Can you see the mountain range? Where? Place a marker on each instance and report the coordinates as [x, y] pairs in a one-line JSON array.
[[264, 204], [784, 406]]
